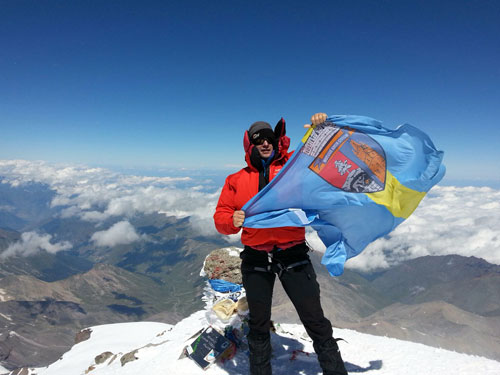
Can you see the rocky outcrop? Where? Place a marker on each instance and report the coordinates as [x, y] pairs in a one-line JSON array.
[[224, 264], [83, 335], [129, 357], [101, 358]]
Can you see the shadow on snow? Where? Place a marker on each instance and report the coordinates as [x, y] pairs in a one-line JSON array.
[[284, 363]]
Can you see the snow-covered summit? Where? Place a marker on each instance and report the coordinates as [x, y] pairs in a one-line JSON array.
[[155, 348]]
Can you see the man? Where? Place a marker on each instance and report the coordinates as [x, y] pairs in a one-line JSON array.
[[273, 251]]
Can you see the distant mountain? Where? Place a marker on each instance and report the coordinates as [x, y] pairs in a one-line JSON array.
[[45, 266], [24, 205], [169, 252], [469, 283], [437, 324], [7, 237], [156, 277], [45, 315]]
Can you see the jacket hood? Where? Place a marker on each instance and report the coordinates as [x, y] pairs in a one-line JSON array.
[[280, 148]]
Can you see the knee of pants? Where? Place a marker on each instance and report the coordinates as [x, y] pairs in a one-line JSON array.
[[258, 286], [301, 284], [260, 317], [259, 293]]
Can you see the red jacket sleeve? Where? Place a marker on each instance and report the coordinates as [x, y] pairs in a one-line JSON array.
[[223, 217]]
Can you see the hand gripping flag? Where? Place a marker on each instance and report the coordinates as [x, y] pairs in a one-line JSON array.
[[353, 181]]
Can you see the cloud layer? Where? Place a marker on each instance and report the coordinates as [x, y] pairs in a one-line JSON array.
[[97, 194], [450, 220], [32, 243]]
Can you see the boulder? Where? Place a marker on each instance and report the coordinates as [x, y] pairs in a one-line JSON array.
[[224, 264]]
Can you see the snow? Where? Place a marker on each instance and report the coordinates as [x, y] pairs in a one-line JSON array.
[[119, 338], [3, 295], [7, 317], [160, 346]]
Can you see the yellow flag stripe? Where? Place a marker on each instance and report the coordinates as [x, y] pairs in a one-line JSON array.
[[308, 133], [400, 200]]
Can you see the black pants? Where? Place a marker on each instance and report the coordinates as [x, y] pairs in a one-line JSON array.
[[299, 283]]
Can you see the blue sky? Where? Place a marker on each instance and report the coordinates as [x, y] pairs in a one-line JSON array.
[[156, 84]]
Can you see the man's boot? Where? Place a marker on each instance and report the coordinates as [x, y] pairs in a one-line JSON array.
[[260, 354], [329, 358]]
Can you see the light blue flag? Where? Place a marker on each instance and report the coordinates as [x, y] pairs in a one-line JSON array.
[[353, 181]]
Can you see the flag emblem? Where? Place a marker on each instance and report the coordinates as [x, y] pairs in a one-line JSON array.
[[349, 160]]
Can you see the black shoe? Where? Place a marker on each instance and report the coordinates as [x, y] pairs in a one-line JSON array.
[[329, 358], [260, 354]]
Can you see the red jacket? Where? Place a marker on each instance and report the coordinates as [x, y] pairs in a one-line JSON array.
[[240, 187]]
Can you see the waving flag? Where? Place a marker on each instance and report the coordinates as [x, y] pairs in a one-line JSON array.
[[353, 181]]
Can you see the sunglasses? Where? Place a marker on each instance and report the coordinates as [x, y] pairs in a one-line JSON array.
[[260, 141]]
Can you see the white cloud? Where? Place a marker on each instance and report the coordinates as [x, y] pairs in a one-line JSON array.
[[96, 194], [121, 233], [450, 220], [32, 243]]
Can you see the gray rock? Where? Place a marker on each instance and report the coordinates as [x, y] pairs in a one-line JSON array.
[[129, 357], [220, 264], [101, 358], [83, 335]]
